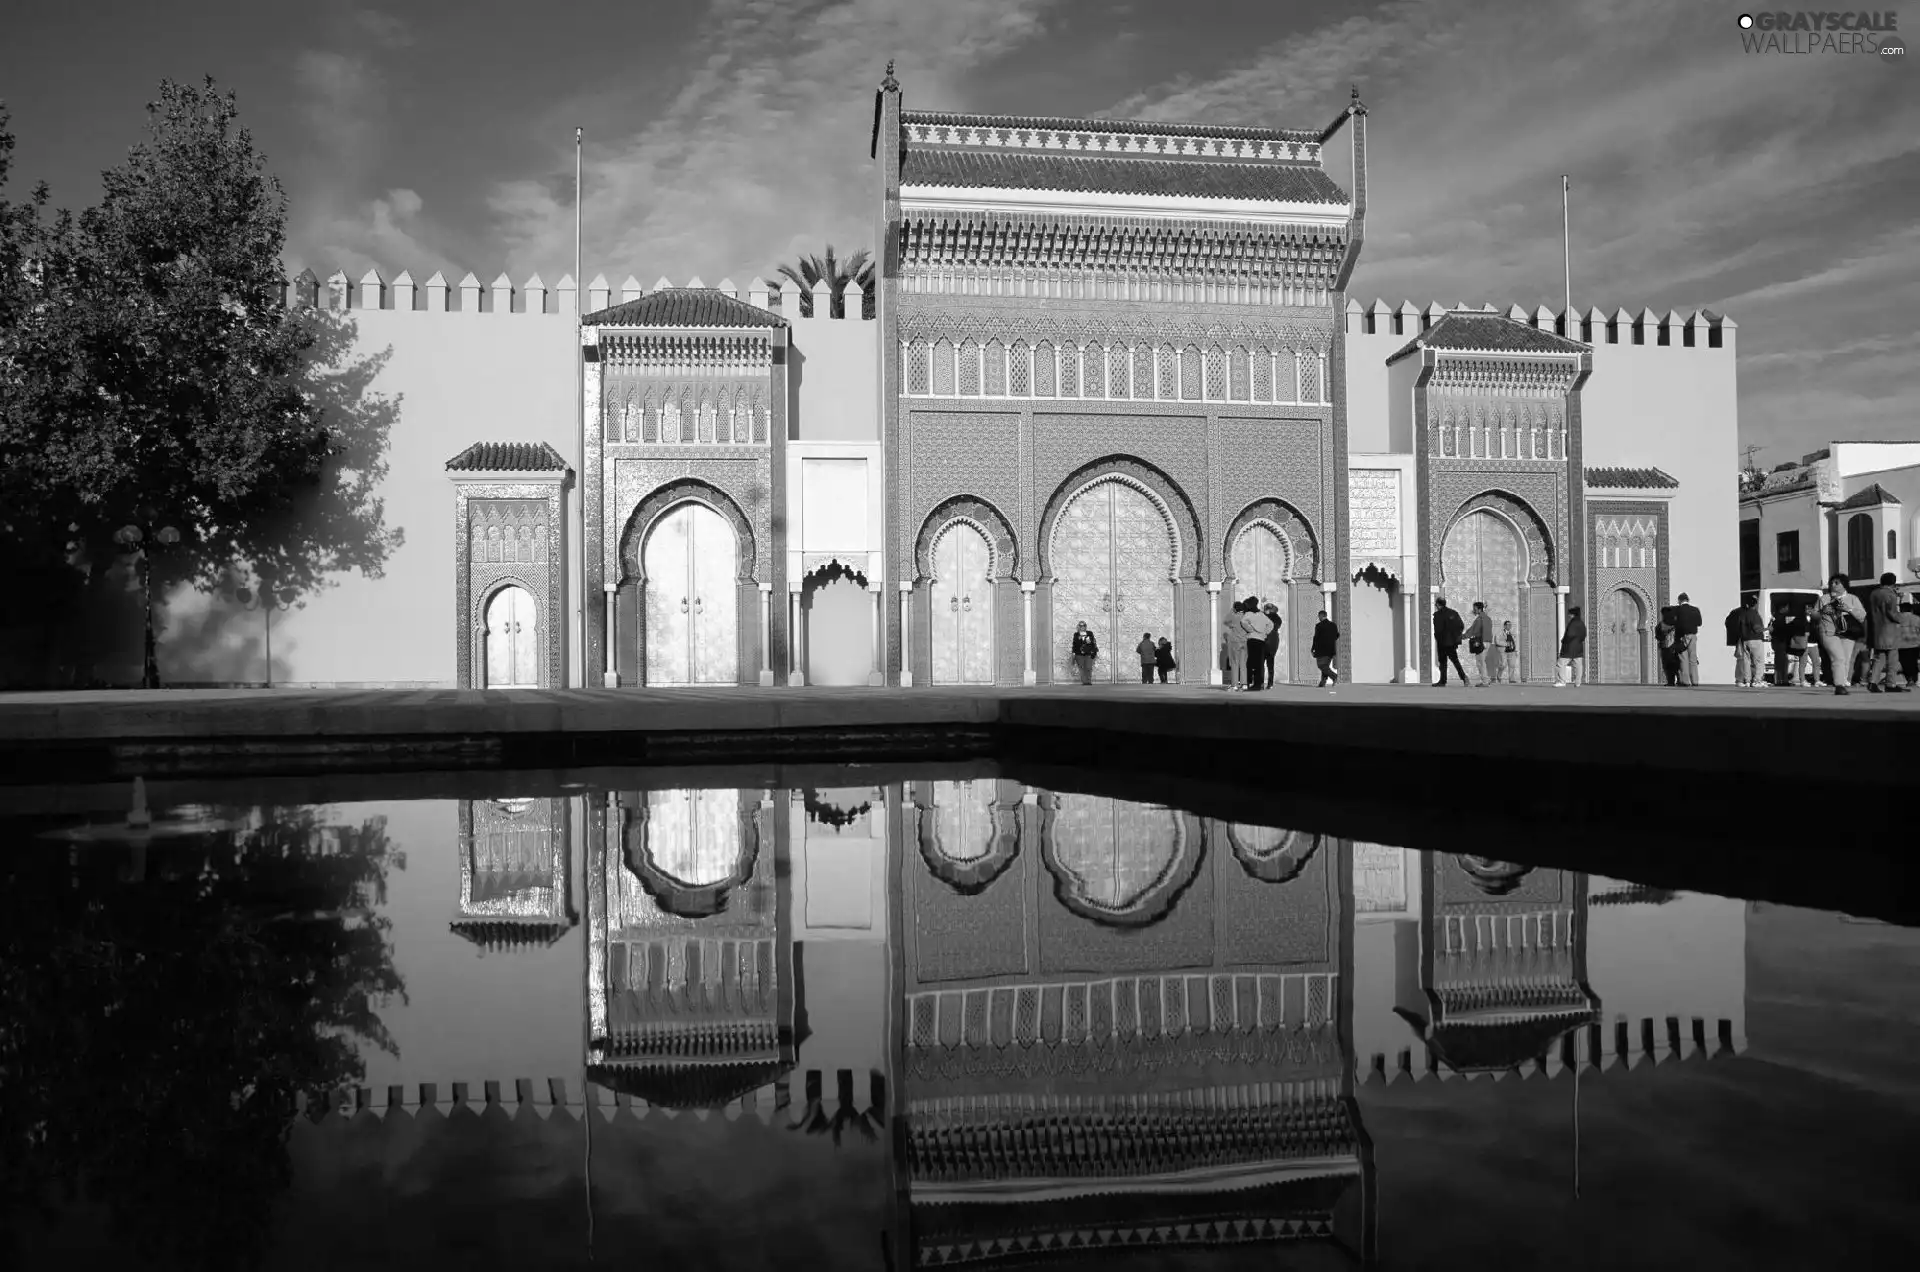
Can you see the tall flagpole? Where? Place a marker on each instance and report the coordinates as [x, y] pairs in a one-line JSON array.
[[579, 418], [1566, 246]]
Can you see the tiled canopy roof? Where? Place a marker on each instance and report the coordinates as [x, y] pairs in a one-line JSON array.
[[1135, 127], [684, 307], [508, 457], [1176, 178], [1487, 333], [1872, 497], [1630, 479]]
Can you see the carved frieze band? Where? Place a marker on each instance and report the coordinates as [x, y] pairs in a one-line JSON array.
[[1136, 247], [1083, 138]]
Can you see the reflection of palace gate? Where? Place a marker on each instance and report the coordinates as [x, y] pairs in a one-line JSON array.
[[1112, 563], [692, 599]]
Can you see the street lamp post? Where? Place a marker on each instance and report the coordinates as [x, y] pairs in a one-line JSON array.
[[267, 600], [133, 539]]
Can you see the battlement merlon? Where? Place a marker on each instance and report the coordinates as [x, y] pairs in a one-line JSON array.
[[1703, 329]]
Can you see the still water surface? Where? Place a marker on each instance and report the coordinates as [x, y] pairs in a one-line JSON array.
[[937, 1023]]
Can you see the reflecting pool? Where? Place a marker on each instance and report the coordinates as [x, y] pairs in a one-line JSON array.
[[959, 1021]]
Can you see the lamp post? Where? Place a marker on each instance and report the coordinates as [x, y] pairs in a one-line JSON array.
[[134, 539], [266, 599]]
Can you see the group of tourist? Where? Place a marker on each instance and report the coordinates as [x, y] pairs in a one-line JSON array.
[[1249, 647], [1496, 652], [1838, 641]]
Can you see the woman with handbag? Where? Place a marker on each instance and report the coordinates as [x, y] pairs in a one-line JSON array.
[[1479, 637]]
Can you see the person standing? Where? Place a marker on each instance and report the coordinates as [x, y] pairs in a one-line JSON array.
[[1687, 621], [1842, 621], [1447, 631], [1479, 636], [1752, 630], [1085, 650], [1149, 655], [1573, 650], [1235, 639], [1326, 646], [1254, 627], [1163, 658], [1799, 659], [1733, 643], [1669, 648], [1883, 634], [1272, 652]]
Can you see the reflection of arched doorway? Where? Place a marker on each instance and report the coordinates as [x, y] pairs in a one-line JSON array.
[[513, 640], [1112, 562], [1484, 559], [1262, 564], [1270, 854], [962, 602], [1623, 622], [966, 837], [1116, 861], [694, 849], [692, 602]]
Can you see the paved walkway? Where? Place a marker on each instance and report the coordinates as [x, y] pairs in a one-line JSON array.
[[1787, 733]]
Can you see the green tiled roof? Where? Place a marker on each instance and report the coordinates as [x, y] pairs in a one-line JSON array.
[[1487, 333], [684, 307], [1630, 479], [508, 457]]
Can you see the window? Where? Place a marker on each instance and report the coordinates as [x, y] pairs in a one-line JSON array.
[[969, 368], [917, 367], [1786, 551], [943, 369], [1190, 373], [1860, 562], [996, 370], [1019, 363], [1309, 376], [1749, 556], [1893, 544], [1237, 375]]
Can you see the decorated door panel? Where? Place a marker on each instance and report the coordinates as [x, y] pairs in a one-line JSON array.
[[962, 603], [513, 645], [692, 604], [1111, 560], [1621, 643], [1261, 564], [1484, 560]]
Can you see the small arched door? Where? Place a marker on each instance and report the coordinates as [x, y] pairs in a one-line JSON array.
[[1261, 564], [962, 599], [692, 601], [513, 640], [1622, 623]]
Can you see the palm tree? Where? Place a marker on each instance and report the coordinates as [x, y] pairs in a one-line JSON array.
[[809, 270]]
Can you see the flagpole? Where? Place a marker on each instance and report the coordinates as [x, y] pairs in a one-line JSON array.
[[579, 418], [1566, 245]]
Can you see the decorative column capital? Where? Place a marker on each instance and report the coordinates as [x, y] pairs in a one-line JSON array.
[[1027, 586], [1214, 588], [906, 585], [765, 588], [609, 588], [1563, 589]]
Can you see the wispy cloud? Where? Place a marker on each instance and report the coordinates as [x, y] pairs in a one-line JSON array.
[[1777, 189]]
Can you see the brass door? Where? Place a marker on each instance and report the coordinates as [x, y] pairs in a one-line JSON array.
[[1622, 660], [1112, 567], [1113, 851], [513, 644], [962, 609], [1260, 568], [692, 603], [1485, 560]]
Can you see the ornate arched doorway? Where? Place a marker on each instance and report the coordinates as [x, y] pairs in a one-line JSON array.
[[962, 603], [1112, 561], [1262, 563], [1485, 559], [692, 601], [513, 640], [1623, 621]]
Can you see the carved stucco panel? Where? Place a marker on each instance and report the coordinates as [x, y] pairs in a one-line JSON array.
[[959, 453], [1176, 445], [1541, 488]]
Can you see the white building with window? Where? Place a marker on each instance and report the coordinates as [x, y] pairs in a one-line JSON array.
[[1850, 508]]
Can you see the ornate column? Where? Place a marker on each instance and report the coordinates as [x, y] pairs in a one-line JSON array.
[[878, 676], [1410, 621], [766, 633], [611, 678], [1214, 676], [1559, 616], [1026, 606], [795, 677], [906, 642]]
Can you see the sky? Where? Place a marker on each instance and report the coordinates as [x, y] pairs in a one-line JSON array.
[[726, 136]]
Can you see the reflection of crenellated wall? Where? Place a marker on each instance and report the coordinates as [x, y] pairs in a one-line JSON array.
[[1079, 968], [690, 995], [1468, 965]]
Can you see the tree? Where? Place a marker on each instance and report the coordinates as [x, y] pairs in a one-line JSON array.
[[161, 381], [808, 270]]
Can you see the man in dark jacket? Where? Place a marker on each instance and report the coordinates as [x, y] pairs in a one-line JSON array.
[[1149, 654], [1750, 648], [1883, 635], [1447, 631], [1573, 650], [1085, 650], [1687, 622], [1271, 648], [1326, 644], [1910, 641]]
